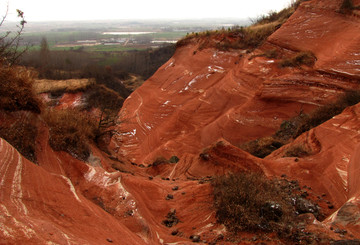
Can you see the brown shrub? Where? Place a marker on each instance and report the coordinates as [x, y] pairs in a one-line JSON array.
[[71, 131], [297, 151], [22, 135], [16, 90], [99, 96], [301, 58], [347, 6], [262, 147], [251, 202]]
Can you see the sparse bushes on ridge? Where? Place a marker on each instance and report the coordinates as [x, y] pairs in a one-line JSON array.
[[71, 131], [242, 37], [292, 128], [236, 38]]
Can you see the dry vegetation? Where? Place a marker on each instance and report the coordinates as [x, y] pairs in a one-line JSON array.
[[16, 90], [347, 6], [17, 95], [71, 131], [242, 37], [21, 134], [252, 203], [292, 128], [70, 85], [300, 58]]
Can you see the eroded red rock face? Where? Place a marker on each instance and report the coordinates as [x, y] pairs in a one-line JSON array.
[[199, 106], [198, 97]]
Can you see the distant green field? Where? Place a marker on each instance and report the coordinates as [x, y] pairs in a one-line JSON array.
[[110, 48], [55, 38]]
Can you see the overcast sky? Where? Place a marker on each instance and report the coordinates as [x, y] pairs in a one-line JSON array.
[[45, 10]]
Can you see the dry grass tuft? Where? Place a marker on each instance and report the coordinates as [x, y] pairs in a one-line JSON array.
[[21, 134], [301, 58], [16, 90], [71, 131]]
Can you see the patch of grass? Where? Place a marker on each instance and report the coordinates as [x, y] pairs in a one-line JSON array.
[[16, 90], [71, 131], [297, 151], [302, 58], [347, 6]]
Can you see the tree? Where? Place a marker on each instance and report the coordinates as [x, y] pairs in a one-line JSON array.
[[10, 42], [44, 55]]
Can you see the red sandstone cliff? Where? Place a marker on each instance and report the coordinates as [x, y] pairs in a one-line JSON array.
[[192, 102]]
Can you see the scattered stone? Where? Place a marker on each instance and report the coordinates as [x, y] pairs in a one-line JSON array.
[[346, 242], [109, 240], [129, 213], [303, 206], [220, 237], [330, 206], [175, 188], [195, 238], [340, 231], [205, 156], [171, 218], [295, 182], [183, 193], [304, 194], [150, 177], [142, 166], [174, 159], [169, 197], [167, 178], [271, 211], [174, 232]]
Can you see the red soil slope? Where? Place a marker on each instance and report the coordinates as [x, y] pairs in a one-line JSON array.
[[198, 98]]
